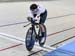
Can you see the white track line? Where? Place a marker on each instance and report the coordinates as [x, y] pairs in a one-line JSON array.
[[20, 40], [11, 37]]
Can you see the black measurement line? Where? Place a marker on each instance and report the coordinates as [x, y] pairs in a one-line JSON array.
[[62, 41], [34, 53]]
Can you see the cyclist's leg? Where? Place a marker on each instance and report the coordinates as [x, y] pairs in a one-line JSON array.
[[42, 21], [42, 38], [43, 17]]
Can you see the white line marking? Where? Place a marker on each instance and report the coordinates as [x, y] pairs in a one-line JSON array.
[[18, 39]]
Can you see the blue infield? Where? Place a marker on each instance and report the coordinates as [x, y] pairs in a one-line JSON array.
[[66, 50]]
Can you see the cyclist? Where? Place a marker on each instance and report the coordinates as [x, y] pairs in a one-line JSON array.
[[37, 14]]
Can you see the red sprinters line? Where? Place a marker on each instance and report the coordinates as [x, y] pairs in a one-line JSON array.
[[60, 31], [47, 36], [10, 47]]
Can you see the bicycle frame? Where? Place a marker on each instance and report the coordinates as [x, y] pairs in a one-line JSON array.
[[35, 29]]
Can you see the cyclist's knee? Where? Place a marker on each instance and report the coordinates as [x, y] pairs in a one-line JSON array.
[[42, 27]]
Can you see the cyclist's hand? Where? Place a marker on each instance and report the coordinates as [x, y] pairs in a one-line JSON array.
[[37, 19], [29, 18]]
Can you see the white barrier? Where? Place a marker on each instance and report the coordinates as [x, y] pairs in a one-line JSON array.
[[20, 40]]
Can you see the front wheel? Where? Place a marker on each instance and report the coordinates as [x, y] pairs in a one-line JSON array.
[[29, 41], [42, 35]]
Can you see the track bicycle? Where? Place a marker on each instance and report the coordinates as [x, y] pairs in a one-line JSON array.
[[34, 34]]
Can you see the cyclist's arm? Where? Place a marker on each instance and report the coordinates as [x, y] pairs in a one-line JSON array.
[[30, 15]]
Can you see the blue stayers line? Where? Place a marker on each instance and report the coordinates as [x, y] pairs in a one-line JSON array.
[[27, 22], [13, 24], [61, 16]]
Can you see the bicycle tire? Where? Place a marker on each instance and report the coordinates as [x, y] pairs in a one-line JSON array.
[[40, 37], [29, 41]]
